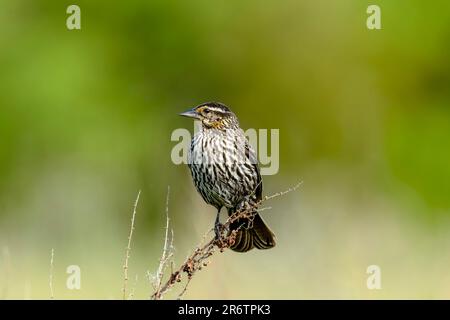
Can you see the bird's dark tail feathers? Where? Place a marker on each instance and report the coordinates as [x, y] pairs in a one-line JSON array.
[[252, 234]]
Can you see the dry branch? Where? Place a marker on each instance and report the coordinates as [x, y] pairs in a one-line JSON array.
[[167, 253], [50, 280], [128, 249], [200, 256]]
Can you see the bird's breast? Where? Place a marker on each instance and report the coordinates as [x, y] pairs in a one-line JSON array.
[[222, 173]]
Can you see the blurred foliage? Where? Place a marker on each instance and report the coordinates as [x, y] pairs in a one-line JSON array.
[[86, 118]]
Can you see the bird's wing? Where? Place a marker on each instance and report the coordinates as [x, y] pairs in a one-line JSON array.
[[253, 159]]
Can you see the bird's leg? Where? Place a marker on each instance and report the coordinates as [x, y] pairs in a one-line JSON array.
[[218, 227]]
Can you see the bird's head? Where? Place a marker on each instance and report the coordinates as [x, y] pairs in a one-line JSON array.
[[213, 115]]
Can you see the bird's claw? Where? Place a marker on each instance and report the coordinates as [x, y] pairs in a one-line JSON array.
[[218, 228], [220, 239]]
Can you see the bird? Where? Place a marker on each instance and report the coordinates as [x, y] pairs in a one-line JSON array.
[[225, 171]]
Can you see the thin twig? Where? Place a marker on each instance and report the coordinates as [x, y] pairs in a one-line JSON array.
[[200, 257], [52, 296], [282, 193], [128, 249], [167, 251], [133, 289], [185, 288]]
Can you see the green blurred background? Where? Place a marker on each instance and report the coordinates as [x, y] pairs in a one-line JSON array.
[[86, 118]]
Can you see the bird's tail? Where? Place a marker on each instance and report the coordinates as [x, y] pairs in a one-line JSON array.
[[252, 234]]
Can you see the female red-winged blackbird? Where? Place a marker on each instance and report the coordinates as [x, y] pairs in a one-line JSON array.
[[225, 171]]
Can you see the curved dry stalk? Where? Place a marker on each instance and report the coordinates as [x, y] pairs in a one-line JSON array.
[[167, 253], [200, 256], [50, 280], [128, 249]]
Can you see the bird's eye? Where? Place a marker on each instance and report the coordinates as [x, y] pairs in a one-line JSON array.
[[206, 111]]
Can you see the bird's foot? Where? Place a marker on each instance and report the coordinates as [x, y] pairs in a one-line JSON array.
[[218, 230]]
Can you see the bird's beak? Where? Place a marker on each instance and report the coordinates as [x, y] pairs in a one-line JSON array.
[[190, 114]]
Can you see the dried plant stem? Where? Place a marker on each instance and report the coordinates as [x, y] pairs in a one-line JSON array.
[[200, 256], [282, 193], [50, 280], [128, 249], [131, 295], [167, 251]]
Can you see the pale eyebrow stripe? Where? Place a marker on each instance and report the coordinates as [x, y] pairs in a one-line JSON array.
[[216, 109]]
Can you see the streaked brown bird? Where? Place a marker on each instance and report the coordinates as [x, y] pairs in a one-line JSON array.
[[226, 173]]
